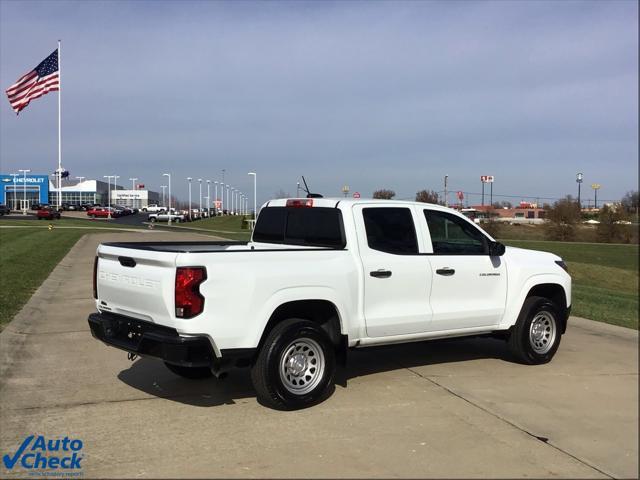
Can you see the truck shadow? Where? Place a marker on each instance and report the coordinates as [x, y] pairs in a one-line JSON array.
[[153, 378]]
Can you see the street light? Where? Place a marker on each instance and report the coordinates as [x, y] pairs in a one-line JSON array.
[[233, 201], [208, 197], [227, 201], [596, 187], [200, 182], [24, 189], [579, 182], [80, 180], [15, 194], [255, 181], [133, 183], [108, 177], [216, 197], [163, 200], [168, 175], [189, 180]]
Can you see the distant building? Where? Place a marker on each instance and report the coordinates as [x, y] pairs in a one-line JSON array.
[[524, 213]]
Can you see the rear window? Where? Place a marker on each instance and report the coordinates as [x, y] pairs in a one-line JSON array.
[[316, 227]]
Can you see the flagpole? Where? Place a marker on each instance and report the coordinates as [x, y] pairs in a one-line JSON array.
[[59, 128]]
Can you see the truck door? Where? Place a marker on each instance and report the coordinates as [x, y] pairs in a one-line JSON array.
[[469, 286], [397, 279]]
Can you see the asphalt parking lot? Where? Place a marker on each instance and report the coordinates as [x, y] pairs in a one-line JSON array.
[[457, 408]]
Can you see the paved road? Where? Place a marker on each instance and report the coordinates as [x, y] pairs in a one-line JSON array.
[[457, 408]]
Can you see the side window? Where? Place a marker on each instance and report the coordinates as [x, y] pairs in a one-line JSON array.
[[451, 235], [390, 230]]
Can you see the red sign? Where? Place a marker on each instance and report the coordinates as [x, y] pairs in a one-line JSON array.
[[356, 195], [460, 196], [140, 186], [486, 178]]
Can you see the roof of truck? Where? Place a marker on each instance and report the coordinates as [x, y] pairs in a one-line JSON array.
[[333, 202]]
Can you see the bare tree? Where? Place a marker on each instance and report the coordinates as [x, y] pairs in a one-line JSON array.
[[384, 194], [503, 204], [611, 227], [562, 218], [630, 202], [427, 196]]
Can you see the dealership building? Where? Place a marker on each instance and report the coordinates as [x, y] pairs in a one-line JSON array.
[[19, 191]]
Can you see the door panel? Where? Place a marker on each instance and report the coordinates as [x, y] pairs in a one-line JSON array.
[[469, 287], [397, 280]]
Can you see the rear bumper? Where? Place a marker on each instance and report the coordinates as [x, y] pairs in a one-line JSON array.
[[149, 339], [164, 343]]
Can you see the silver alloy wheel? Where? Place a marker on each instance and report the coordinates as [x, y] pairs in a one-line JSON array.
[[302, 366], [542, 332]]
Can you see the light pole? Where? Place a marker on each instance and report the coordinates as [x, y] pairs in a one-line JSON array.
[[15, 194], [233, 201], [80, 180], [255, 181], [133, 183], [163, 200], [297, 189], [24, 189], [189, 180], [446, 194], [596, 187], [216, 197], [579, 182], [227, 201], [208, 197], [115, 185], [168, 175], [108, 177], [200, 210]]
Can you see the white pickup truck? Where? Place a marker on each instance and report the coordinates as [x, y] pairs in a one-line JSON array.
[[153, 208], [163, 216], [319, 277]]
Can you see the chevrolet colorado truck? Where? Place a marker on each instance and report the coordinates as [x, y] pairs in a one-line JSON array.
[[321, 276]]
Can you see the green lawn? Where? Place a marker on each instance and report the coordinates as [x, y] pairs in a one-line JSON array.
[[65, 222], [605, 278], [27, 256], [228, 227]]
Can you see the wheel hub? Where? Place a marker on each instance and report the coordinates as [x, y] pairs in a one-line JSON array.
[[297, 364], [302, 366], [542, 332]]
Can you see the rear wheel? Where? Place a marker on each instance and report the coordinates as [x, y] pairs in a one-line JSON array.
[[152, 219], [192, 373], [295, 366], [535, 337]]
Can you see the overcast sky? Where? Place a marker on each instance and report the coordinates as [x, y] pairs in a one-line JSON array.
[[367, 94]]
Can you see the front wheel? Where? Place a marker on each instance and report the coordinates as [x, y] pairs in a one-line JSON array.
[[535, 337], [192, 373], [295, 367]]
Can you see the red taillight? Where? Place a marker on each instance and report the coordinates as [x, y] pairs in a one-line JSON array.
[[189, 302], [299, 203], [95, 277]]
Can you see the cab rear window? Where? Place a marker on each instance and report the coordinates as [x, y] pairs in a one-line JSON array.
[[315, 227]]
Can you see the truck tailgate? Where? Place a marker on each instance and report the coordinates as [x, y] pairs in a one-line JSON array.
[[137, 283]]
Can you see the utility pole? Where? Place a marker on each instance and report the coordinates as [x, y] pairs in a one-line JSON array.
[[446, 196], [579, 182]]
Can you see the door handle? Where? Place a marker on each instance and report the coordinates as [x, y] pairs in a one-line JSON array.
[[381, 273], [447, 272]]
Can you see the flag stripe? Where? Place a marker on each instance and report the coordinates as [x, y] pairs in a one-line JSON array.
[[43, 79]]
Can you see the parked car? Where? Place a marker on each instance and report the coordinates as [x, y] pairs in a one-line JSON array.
[[175, 216], [320, 277], [153, 208], [4, 210], [48, 213], [69, 206], [102, 212]]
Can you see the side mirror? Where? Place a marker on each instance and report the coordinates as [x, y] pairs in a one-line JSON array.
[[496, 249]]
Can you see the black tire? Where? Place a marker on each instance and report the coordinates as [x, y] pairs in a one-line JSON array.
[[538, 345], [285, 339], [192, 373], [153, 219]]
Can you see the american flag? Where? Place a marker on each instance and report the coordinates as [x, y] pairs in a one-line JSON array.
[[43, 79]]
